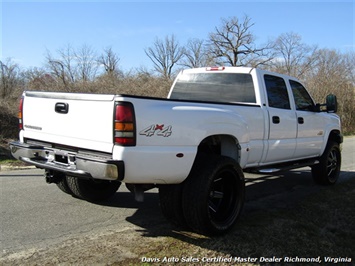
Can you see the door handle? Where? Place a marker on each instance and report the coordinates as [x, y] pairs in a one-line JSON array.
[[276, 120], [61, 108], [300, 120]]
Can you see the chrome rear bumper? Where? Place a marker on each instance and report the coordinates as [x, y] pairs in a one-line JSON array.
[[70, 163]]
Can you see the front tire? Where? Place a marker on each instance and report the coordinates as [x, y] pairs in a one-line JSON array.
[[213, 195], [92, 190], [328, 170]]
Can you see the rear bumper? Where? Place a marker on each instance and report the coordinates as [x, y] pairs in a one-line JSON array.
[[70, 163]]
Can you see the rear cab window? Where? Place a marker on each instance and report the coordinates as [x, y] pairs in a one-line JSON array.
[[215, 87]]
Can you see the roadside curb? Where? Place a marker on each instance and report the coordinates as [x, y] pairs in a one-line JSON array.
[[10, 167]]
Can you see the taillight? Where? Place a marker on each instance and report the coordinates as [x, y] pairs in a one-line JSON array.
[[124, 124], [20, 114]]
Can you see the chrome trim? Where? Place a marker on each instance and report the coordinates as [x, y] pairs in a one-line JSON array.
[[68, 162]]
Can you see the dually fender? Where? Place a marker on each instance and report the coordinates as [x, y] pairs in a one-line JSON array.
[[228, 126], [215, 121], [168, 158]]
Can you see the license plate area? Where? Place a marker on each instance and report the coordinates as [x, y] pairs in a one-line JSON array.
[[58, 158], [63, 158]]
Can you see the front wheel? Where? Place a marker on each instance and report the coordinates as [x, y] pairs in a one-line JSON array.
[[213, 195], [92, 190], [328, 170]]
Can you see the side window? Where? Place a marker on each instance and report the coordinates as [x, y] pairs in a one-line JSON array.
[[303, 100], [277, 92]]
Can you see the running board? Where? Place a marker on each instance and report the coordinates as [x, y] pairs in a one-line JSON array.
[[286, 167]]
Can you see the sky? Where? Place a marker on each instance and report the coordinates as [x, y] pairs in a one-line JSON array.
[[30, 28]]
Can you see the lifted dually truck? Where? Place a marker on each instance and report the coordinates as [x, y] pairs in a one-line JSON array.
[[194, 146]]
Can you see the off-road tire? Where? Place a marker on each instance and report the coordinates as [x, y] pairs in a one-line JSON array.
[[213, 194], [170, 197], [328, 170], [92, 190]]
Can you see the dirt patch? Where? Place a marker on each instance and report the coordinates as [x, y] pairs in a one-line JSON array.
[[100, 249]]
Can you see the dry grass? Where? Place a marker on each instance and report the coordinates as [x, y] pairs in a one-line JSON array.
[[321, 225]]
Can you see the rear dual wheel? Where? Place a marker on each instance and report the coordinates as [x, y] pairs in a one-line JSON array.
[[210, 200], [63, 185], [90, 189], [170, 197]]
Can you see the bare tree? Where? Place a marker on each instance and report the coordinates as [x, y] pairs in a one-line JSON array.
[[334, 73], [109, 60], [195, 54], [234, 44], [39, 79], [71, 66], [9, 77], [293, 57], [165, 54], [62, 67], [86, 63], [66, 62]]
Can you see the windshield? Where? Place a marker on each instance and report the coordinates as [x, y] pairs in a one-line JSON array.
[[215, 87]]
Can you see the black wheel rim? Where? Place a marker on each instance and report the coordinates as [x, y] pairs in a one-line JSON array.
[[333, 165], [223, 203]]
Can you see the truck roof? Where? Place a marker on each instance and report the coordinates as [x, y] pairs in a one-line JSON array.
[[232, 69], [228, 69]]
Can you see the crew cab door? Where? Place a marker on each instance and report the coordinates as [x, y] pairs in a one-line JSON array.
[[310, 124], [282, 121]]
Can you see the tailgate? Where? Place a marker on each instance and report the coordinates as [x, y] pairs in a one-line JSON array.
[[70, 119]]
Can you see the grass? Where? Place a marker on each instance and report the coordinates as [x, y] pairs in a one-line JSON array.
[[322, 224], [5, 156], [12, 162]]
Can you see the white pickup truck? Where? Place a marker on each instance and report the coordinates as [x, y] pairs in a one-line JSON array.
[[194, 146]]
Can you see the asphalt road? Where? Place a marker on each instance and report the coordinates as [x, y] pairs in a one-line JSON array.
[[35, 215]]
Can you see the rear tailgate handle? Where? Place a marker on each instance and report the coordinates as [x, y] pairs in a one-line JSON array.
[[61, 108]]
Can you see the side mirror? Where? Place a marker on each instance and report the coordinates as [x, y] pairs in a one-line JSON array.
[[331, 103]]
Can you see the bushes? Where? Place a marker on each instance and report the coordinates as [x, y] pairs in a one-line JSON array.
[[8, 119], [332, 72], [139, 84]]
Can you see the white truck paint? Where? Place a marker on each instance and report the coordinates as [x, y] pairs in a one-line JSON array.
[[260, 120]]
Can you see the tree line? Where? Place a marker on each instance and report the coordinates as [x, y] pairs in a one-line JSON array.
[[231, 43]]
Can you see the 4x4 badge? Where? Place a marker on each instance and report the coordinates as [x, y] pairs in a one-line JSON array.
[[159, 130]]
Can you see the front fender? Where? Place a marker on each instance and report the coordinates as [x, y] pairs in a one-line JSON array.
[[332, 131]]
